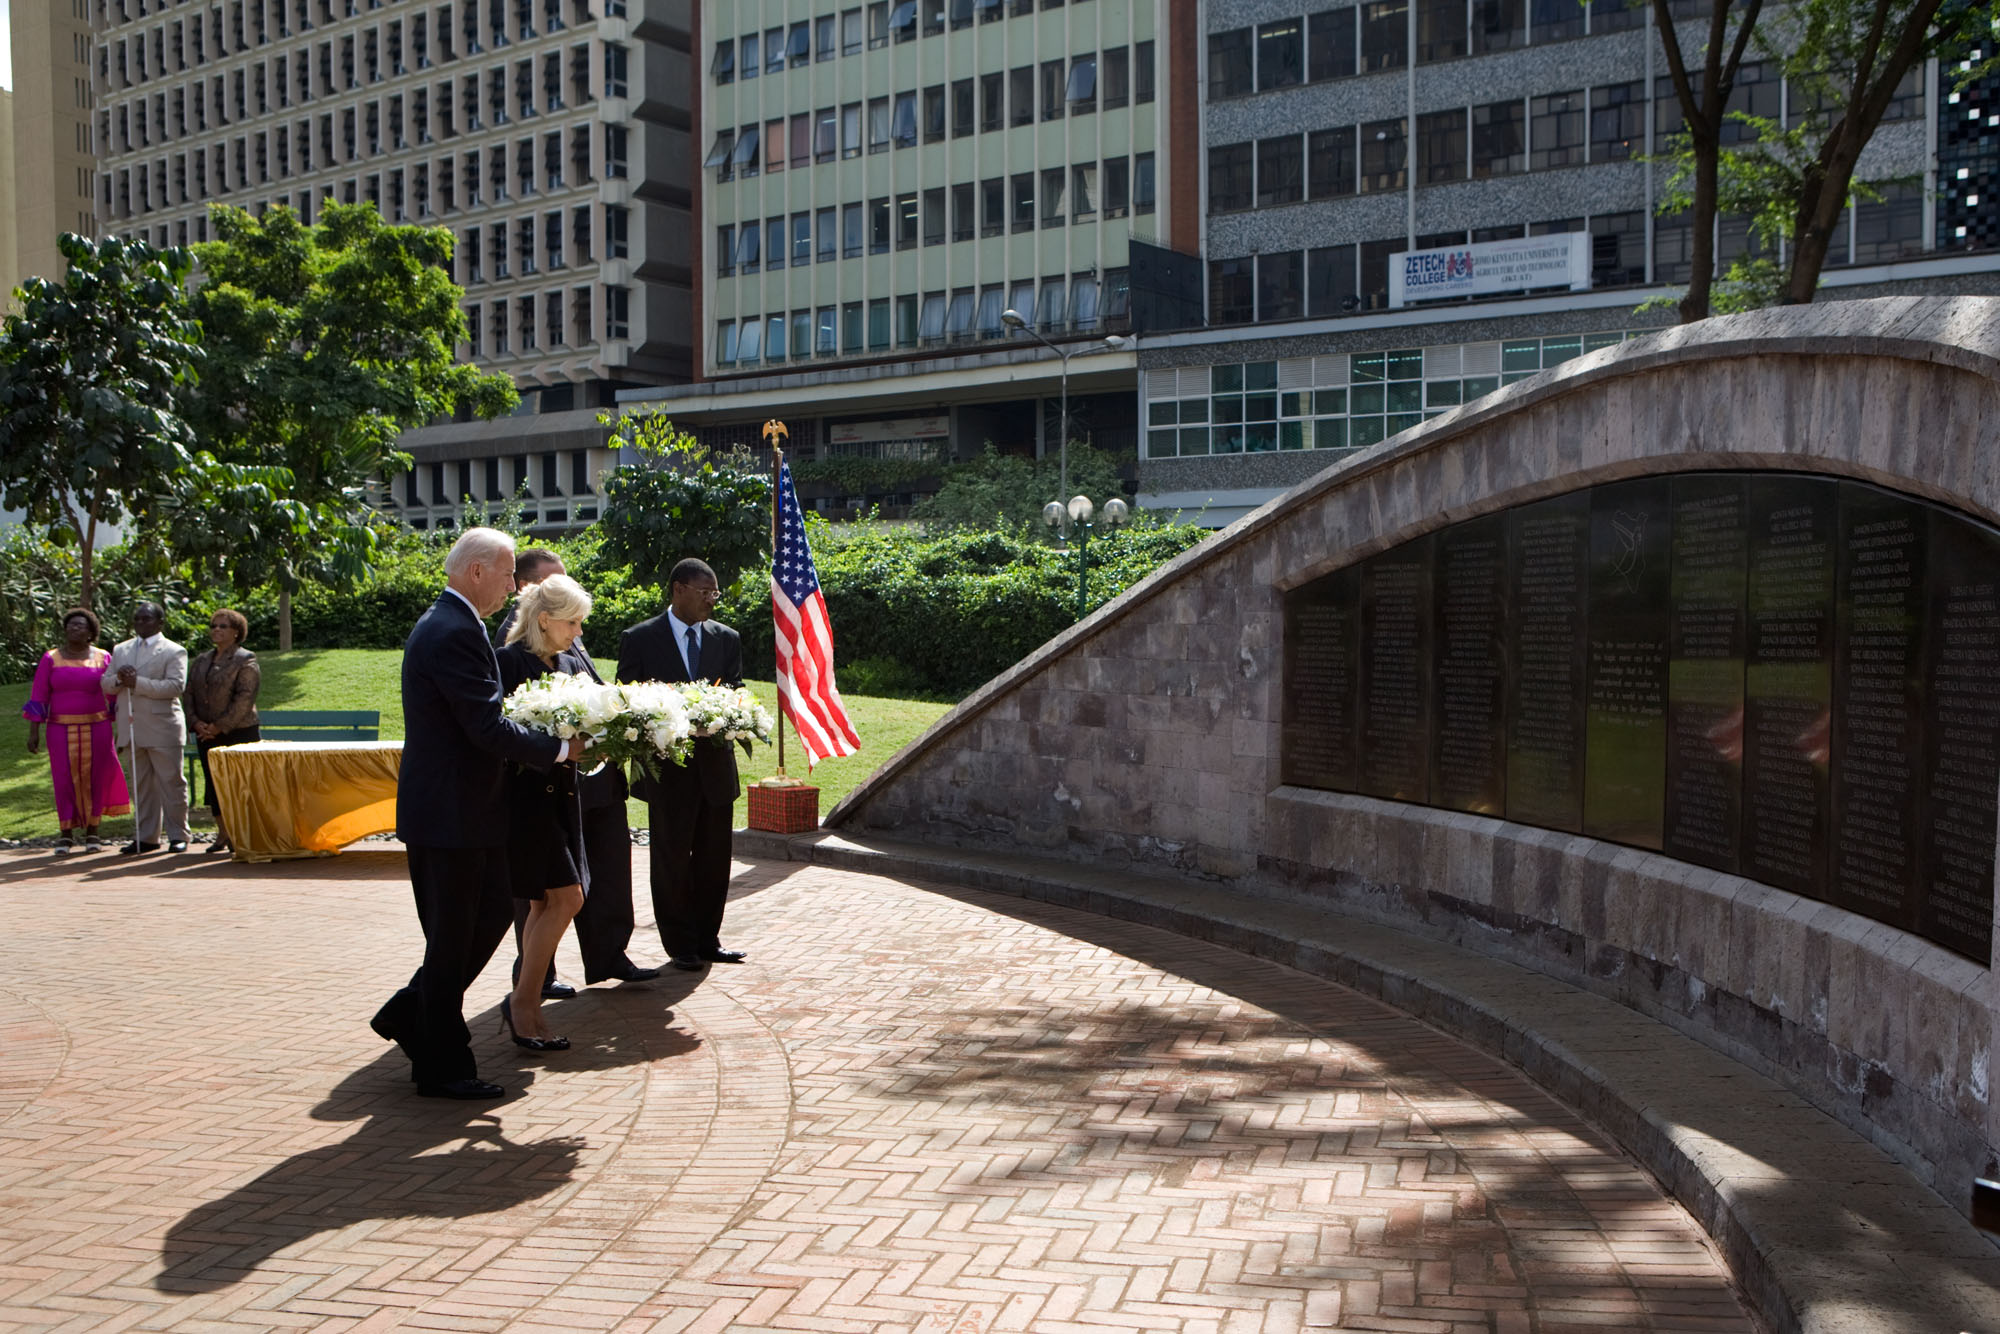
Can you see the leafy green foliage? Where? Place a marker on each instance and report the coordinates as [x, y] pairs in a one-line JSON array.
[[861, 476], [324, 343], [94, 371], [1007, 491], [937, 615], [679, 501]]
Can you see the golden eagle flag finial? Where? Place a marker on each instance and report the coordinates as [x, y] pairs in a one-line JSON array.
[[774, 431]]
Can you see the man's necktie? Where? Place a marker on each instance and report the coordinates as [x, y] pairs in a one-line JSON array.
[[694, 653]]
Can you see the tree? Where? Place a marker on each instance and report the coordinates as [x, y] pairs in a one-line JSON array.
[[1704, 98], [679, 501], [93, 374], [1843, 62], [1006, 492], [325, 343]]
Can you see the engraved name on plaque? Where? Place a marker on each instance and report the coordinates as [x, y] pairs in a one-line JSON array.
[[1549, 565], [1469, 748], [1711, 544]]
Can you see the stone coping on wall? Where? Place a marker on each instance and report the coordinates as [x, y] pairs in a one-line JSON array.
[[1962, 332], [1826, 1232]]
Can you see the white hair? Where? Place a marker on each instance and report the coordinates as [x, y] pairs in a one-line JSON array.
[[561, 597], [476, 546]]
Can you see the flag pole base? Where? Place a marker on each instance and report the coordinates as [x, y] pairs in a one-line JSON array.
[[781, 779], [783, 806]]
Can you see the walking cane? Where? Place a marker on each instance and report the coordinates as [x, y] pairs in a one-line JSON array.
[[132, 734]]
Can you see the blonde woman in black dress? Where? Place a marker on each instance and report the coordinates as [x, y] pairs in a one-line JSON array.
[[545, 845]]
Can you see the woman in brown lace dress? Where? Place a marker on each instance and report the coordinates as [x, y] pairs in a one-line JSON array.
[[222, 701]]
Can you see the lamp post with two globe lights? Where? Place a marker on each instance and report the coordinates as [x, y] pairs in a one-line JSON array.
[[1078, 512]]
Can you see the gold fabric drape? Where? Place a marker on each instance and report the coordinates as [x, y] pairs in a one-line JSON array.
[[284, 799]]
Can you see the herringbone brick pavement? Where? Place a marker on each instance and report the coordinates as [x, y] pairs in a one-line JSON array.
[[912, 1110]]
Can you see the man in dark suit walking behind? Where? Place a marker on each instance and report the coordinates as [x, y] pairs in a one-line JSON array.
[[451, 811], [690, 810]]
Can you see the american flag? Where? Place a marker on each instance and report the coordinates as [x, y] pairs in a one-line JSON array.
[[805, 639]]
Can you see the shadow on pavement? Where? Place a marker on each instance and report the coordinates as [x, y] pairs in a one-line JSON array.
[[411, 1158], [366, 863]]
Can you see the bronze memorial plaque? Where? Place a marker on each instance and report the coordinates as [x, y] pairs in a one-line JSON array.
[[1395, 673], [1788, 682], [1321, 634], [1547, 593], [1791, 678], [1877, 702], [1625, 684], [1711, 547], [1469, 724]]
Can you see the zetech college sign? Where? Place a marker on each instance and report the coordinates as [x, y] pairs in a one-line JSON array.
[[1491, 267]]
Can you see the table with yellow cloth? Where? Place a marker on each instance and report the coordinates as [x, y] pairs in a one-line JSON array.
[[304, 798]]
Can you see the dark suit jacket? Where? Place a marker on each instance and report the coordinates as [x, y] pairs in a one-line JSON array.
[[452, 792], [647, 652]]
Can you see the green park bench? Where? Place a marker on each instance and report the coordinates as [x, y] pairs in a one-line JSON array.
[[301, 725]]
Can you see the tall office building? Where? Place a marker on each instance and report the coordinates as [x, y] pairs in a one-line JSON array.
[[1363, 158], [10, 271], [548, 135], [881, 182], [53, 169]]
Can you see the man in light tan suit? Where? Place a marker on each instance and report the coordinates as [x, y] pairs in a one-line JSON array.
[[148, 672]]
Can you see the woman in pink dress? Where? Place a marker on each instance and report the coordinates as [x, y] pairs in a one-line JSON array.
[[68, 696]]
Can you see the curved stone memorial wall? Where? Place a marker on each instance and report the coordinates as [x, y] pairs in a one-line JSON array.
[[1671, 672], [1792, 678]]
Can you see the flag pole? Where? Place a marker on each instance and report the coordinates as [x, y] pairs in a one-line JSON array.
[[774, 431]]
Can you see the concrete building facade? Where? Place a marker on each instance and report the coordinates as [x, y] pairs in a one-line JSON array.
[[550, 136], [1337, 139], [52, 176], [881, 182]]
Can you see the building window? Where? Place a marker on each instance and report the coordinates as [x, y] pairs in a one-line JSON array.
[[1618, 249], [1617, 121], [1023, 189], [1383, 154], [934, 210], [992, 206], [1890, 228], [1558, 20], [1081, 91], [617, 312], [878, 225], [1498, 25], [617, 220], [1142, 73], [992, 102], [1441, 146], [1557, 130], [1281, 176], [1499, 139], [1053, 87], [802, 239], [615, 140], [1083, 191], [934, 114], [1230, 64], [1142, 183], [907, 221], [1280, 54], [852, 240], [1232, 291], [903, 132], [1281, 286], [725, 342], [1052, 196], [1331, 162], [1021, 95], [1231, 186], [1330, 284], [1117, 77], [1385, 34], [1440, 30]]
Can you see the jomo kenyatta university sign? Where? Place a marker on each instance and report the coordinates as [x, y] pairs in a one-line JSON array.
[[1490, 267]]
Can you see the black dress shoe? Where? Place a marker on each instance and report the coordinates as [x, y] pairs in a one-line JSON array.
[[178, 845], [557, 990], [465, 1090], [723, 956], [388, 1034], [134, 849], [687, 963], [631, 972]]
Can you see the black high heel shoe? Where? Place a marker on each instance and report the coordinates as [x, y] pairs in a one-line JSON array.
[[532, 1044]]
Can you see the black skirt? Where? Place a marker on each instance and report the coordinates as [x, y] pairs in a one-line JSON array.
[[242, 736], [545, 842]]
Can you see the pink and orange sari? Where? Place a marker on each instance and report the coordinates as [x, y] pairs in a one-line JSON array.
[[83, 759]]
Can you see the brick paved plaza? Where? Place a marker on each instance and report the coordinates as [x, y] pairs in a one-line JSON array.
[[914, 1109]]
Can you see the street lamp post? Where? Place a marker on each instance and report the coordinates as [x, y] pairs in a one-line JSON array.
[[1013, 320], [1080, 513]]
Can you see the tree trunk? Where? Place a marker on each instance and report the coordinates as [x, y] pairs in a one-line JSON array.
[[1701, 237], [284, 619]]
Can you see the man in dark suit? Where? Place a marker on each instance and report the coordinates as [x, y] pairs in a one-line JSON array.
[[604, 926], [451, 811], [689, 809]]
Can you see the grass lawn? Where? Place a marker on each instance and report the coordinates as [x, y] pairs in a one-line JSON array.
[[369, 679]]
